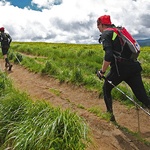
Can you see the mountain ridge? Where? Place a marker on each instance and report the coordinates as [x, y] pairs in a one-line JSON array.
[[145, 42]]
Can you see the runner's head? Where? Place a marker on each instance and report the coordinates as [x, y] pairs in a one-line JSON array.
[[104, 20], [2, 29]]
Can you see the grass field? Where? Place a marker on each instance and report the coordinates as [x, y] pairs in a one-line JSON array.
[[75, 63], [29, 125]]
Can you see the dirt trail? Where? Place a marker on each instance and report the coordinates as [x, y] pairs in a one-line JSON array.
[[106, 136]]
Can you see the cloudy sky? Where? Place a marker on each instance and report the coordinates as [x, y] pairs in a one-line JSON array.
[[71, 21]]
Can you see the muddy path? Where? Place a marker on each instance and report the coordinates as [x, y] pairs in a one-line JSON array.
[[105, 135]]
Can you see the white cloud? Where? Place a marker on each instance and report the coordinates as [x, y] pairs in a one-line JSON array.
[[43, 3], [73, 20]]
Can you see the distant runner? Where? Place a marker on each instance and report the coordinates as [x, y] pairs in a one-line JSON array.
[[5, 40]]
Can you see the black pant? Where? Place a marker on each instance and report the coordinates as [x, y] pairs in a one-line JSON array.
[[5, 50], [130, 72]]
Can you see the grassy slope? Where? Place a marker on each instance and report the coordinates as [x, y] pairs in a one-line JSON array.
[[75, 63]]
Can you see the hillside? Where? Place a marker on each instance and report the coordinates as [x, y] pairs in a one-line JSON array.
[[145, 42]]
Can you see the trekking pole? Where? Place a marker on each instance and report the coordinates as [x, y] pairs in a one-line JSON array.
[[137, 110], [17, 58], [110, 82]]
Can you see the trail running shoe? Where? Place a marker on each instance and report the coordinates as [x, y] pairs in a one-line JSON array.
[[6, 65], [112, 118], [9, 69]]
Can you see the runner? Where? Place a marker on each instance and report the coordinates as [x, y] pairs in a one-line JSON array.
[[5, 40], [122, 68]]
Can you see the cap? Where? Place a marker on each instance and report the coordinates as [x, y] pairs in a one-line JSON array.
[[2, 29], [105, 19]]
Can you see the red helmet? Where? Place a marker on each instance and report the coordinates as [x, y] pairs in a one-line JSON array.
[[2, 29], [104, 20]]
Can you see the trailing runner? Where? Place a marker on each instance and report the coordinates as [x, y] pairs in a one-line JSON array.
[[5, 40], [122, 66]]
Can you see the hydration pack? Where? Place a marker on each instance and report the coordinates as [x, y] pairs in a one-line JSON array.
[[127, 41]]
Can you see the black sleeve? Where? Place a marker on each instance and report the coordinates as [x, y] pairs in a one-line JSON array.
[[107, 45], [9, 37]]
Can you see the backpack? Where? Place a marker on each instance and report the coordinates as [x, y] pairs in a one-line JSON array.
[[4, 39], [127, 41]]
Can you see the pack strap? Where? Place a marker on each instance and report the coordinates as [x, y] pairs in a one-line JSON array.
[[121, 59], [117, 32], [116, 65]]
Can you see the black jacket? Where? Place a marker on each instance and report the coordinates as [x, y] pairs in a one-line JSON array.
[[5, 39]]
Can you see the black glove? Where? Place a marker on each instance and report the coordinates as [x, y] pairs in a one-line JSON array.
[[99, 75]]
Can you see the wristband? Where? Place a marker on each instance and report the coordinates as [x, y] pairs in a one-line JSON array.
[[102, 72]]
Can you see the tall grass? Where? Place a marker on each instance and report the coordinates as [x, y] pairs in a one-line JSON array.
[[75, 63], [67, 62], [28, 125]]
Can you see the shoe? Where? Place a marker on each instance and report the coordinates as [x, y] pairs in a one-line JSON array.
[[10, 66], [148, 107], [112, 118], [6, 65]]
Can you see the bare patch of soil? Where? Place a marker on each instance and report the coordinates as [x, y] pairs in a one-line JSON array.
[[105, 135]]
